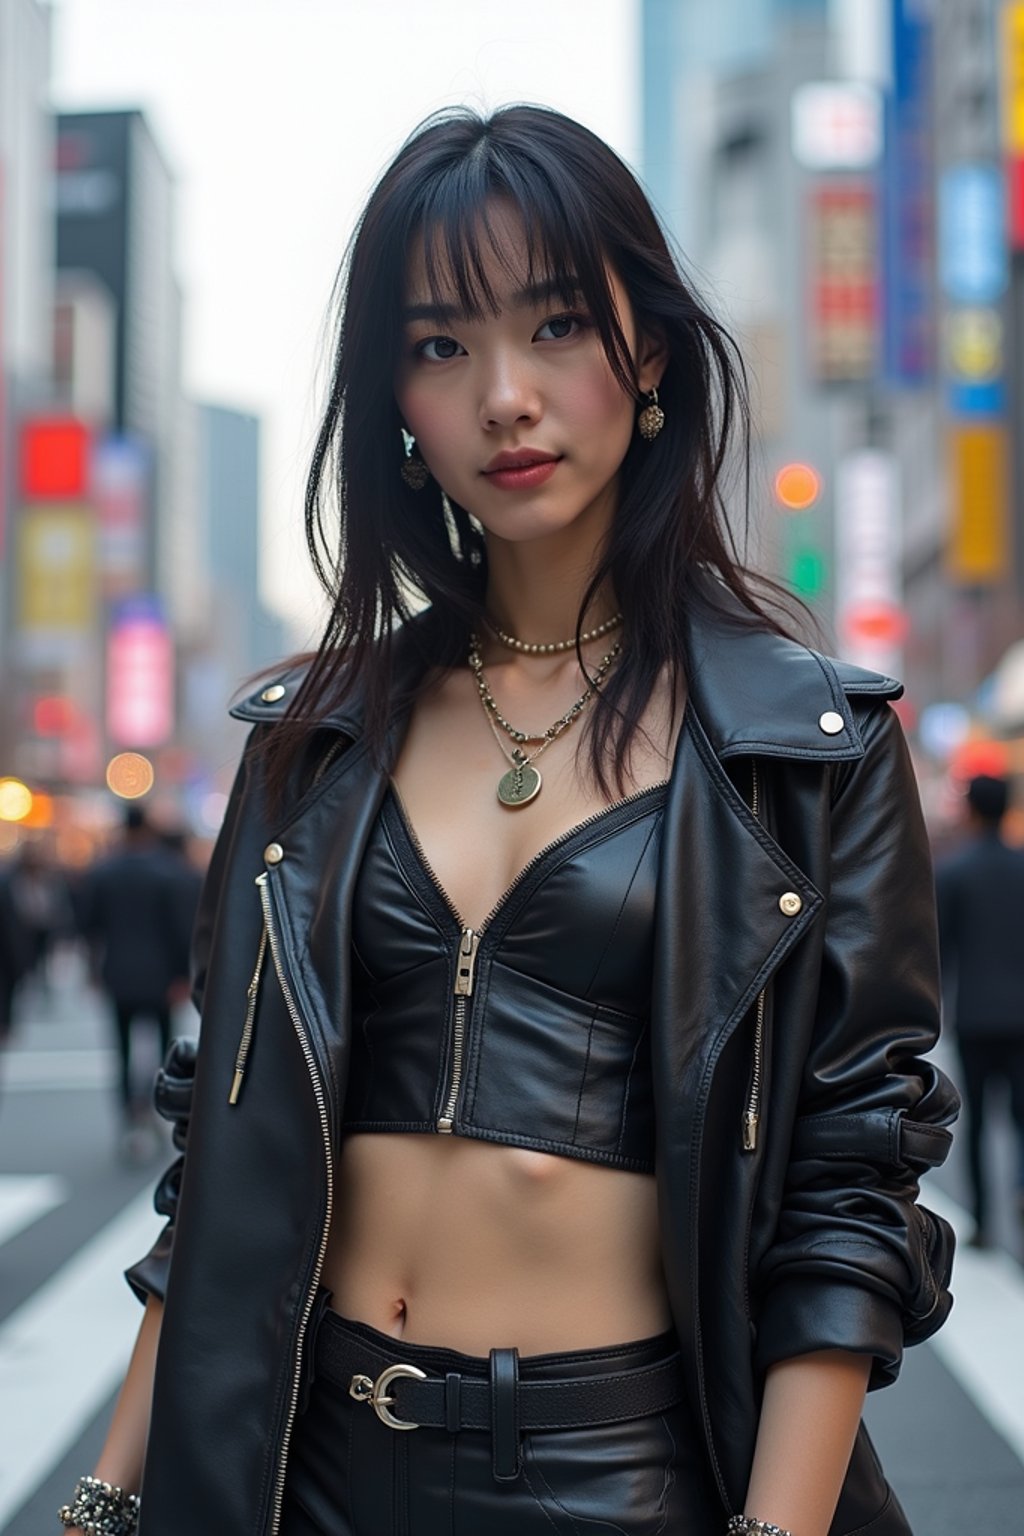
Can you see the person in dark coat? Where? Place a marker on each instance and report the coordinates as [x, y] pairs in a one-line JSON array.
[[981, 918], [131, 916], [186, 884], [15, 952]]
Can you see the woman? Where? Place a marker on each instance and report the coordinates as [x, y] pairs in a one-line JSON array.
[[560, 1089]]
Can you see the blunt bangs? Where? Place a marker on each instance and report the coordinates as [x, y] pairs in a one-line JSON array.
[[450, 211]]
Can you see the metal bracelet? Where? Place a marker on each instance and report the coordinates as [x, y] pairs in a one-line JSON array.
[[747, 1525], [101, 1509]]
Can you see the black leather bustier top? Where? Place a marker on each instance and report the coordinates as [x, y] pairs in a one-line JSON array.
[[533, 1029]]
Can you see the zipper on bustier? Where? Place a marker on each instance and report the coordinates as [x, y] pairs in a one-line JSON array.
[[752, 1112], [252, 993], [465, 963]]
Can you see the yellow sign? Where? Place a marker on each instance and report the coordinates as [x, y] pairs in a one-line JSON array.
[[1013, 78], [978, 552], [974, 343], [56, 571]]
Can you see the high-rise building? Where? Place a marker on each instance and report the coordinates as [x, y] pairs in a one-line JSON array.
[[115, 221], [241, 635]]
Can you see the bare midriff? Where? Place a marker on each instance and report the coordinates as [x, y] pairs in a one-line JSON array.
[[452, 1241]]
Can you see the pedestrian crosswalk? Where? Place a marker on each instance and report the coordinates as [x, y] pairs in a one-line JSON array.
[[72, 1217]]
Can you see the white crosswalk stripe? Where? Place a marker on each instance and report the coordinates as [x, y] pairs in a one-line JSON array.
[[64, 1351], [982, 1344], [24, 1198]]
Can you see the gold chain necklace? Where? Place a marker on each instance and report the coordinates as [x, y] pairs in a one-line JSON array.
[[522, 782], [551, 647]]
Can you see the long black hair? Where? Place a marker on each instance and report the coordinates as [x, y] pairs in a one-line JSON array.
[[381, 550]]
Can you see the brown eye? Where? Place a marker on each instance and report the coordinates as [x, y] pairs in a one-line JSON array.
[[438, 349], [560, 327]]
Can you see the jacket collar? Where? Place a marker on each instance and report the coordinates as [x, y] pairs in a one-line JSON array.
[[754, 692]]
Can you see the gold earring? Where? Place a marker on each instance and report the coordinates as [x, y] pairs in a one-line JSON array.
[[651, 419], [413, 471]]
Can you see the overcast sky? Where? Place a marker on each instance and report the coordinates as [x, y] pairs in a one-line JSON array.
[[275, 117]]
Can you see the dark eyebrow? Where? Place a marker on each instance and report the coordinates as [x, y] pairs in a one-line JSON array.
[[523, 298]]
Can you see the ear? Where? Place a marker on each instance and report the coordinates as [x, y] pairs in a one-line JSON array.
[[652, 360]]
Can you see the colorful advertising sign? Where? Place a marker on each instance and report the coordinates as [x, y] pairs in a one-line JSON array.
[[1012, 55], [120, 492], [140, 674], [973, 265], [837, 125], [843, 281], [977, 552], [54, 459], [56, 582], [908, 200], [870, 617]]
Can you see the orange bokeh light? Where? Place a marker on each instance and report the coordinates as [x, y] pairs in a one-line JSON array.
[[130, 775], [797, 487]]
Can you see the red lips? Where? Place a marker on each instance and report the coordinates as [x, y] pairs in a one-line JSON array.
[[519, 458], [521, 469]]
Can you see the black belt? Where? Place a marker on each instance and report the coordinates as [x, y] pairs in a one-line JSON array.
[[403, 1397]]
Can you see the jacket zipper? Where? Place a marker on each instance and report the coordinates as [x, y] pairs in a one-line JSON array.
[[250, 1019], [752, 1112], [325, 1127], [469, 939]]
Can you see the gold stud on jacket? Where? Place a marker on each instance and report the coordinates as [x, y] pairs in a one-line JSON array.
[[651, 419]]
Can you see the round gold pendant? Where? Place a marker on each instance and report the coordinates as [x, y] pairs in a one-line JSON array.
[[519, 785]]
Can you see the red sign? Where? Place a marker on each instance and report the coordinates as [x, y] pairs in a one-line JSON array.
[[883, 622], [54, 460]]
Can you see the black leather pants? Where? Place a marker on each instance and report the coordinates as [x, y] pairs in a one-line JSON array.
[[350, 1474]]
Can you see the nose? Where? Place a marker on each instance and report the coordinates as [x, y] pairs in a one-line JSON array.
[[509, 394]]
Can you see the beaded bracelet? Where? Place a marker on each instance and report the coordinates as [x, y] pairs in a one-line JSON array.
[[746, 1525], [101, 1509]]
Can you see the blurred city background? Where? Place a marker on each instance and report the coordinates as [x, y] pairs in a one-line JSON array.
[[845, 180]]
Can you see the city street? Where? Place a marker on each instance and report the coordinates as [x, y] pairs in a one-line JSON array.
[[950, 1433]]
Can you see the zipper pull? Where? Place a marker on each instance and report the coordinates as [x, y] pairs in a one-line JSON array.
[[465, 965], [750, 1123], [252, 992]]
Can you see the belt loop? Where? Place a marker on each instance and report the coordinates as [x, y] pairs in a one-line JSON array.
[[505, 1443], [453, 1402]]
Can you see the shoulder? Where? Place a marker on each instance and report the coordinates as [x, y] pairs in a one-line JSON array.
[[271, 696]]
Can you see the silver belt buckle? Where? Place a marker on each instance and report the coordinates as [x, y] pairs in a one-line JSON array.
[[365, 1390]]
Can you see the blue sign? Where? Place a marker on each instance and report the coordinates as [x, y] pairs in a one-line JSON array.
[[908, 299], [973, 262], [985, 399]]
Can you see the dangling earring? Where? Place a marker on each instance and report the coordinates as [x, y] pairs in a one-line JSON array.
[[413, 471], [651, 419]]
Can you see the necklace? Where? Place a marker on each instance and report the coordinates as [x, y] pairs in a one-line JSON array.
[[522, 782], [551, 647]]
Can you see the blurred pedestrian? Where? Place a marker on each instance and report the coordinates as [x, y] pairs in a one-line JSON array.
[[186, 884], [42, 905], [130, 917], [981, 922], [14, 952]]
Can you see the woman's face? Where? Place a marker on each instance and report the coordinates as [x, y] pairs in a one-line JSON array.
[[517, 415]]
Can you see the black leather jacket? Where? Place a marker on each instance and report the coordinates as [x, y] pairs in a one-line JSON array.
[[794, 992]]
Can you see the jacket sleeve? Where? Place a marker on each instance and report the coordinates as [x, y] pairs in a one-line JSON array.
[[856, 1263], [172, 1095]]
